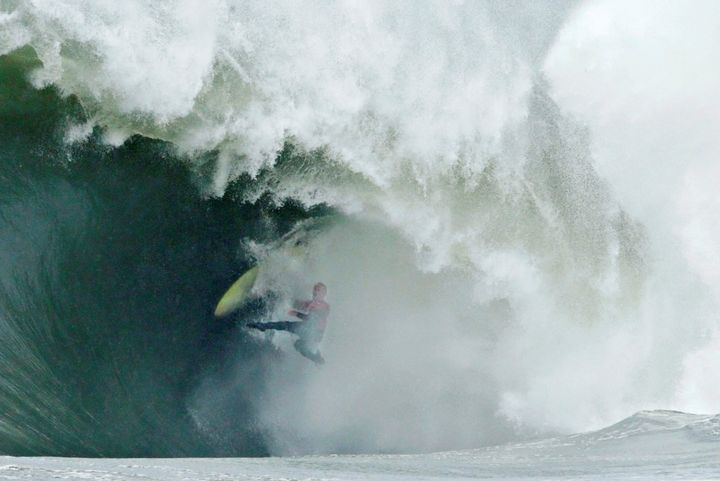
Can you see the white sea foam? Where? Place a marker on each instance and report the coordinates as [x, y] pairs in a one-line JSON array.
[[641, 77], [648, 445]]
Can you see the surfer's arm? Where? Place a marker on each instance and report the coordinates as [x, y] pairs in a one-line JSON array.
[[299, 309], [298, 314], [301, 305]]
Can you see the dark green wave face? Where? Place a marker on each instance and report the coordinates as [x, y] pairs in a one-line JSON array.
[[111, 262]]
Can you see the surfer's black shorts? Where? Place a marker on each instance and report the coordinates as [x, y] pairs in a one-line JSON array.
[[294, 327], [305, 329]]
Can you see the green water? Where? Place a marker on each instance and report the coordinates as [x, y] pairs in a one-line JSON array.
[[111, 261]]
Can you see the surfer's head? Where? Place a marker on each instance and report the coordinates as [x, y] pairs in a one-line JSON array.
[[319, 291]]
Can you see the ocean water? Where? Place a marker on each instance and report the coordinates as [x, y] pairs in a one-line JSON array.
[[513, 205], [648, 445]]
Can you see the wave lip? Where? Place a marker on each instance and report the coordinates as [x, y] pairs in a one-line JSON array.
[[647, 437], [657, 444], [659, 423]]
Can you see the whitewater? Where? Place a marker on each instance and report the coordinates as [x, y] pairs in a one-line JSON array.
[[513, 205]]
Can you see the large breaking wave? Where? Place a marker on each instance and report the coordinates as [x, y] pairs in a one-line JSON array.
[[489, 277]]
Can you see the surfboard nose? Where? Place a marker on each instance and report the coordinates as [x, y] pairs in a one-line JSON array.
[[237, 293]]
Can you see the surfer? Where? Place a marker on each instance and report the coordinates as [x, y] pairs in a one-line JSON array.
[[313, 315]]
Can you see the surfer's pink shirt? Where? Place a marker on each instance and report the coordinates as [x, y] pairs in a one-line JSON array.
[[319, 310]]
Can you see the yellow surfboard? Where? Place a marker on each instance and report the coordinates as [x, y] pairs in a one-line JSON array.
[[238, 292], [294, 244]]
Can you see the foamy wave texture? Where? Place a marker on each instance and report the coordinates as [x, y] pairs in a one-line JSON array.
[[432, 83]]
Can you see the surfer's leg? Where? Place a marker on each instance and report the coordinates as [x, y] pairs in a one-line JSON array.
[[278, 326], [315, 356]]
